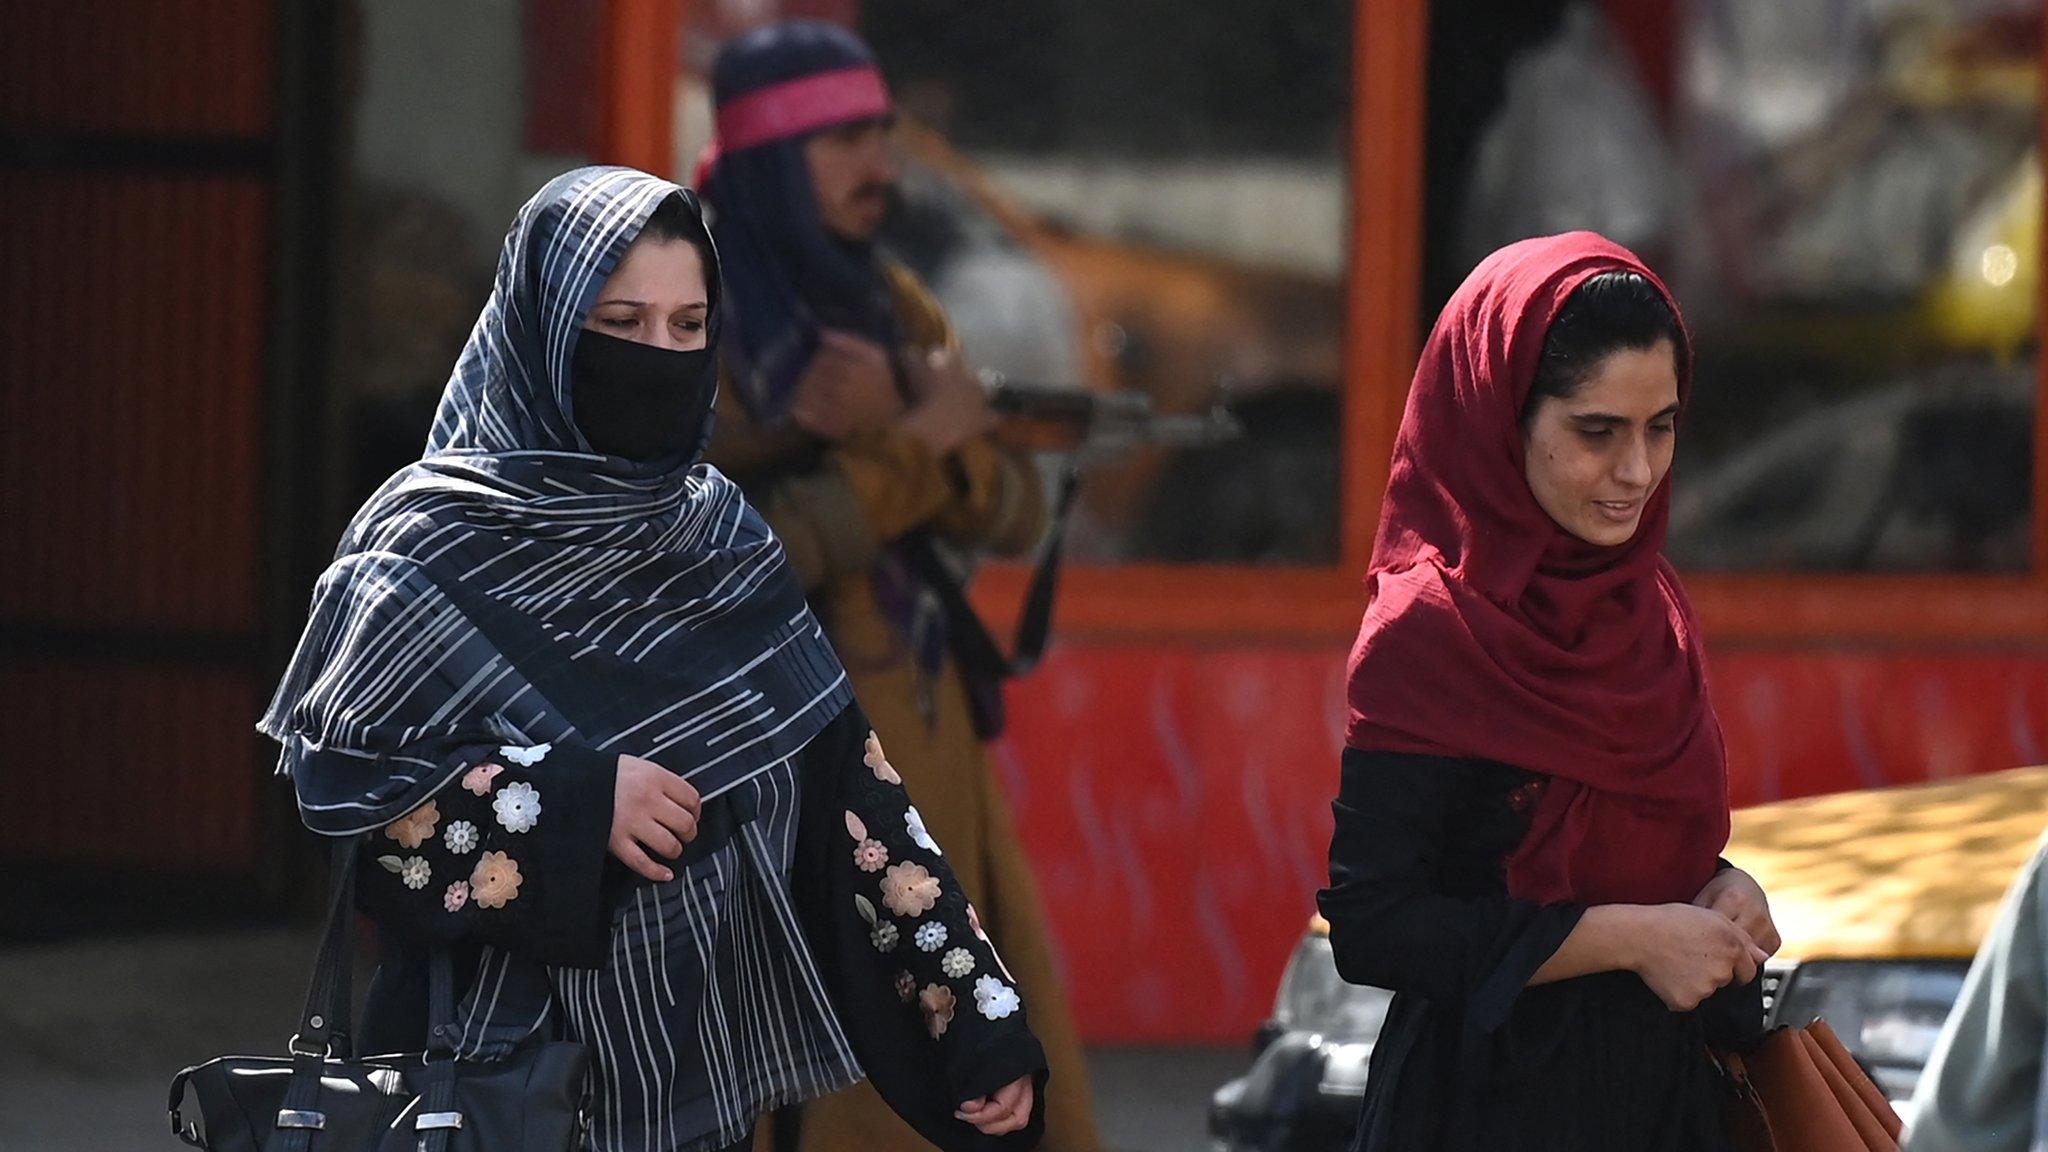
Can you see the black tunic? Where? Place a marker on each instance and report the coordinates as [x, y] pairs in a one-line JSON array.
[[875, 964], [1470, 1057]]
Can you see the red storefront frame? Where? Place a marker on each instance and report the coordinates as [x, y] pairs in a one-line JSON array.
[[1171, 764]]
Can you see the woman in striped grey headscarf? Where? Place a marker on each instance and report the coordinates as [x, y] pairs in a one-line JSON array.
[[561, 677]]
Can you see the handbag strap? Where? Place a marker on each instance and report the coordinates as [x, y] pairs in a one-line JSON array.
[[324, 1022], [183, 1129], [324, 1030], [437, 1117]]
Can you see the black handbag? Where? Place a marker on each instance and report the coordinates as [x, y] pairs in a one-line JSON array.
[[321, 1098]]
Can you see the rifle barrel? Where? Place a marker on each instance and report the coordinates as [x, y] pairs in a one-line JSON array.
[[1108, 419]]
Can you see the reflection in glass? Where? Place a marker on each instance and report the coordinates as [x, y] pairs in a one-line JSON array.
[[1150, 199], [1846, 196], [1888, 1013]]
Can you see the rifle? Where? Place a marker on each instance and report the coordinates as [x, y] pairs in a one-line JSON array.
[[1091, 426], [1099, 424]]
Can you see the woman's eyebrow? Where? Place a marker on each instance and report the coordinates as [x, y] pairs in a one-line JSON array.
[[699, 306], [1609, 420]]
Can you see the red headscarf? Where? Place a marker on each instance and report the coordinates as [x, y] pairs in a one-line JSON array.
[[1494, 633]]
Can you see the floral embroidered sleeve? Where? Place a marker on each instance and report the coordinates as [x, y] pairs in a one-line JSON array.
[[946, 959], [511, 852], [935, 1016]]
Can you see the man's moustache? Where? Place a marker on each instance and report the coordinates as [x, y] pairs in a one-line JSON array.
[[887, 195]]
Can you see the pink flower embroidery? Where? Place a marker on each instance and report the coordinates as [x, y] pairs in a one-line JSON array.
[[479, 778], [906, 987], [878, 763], [456, 896], [909, 890], [974, 922], [495, 883], [937, 1002], [415, 827], [870, 856]]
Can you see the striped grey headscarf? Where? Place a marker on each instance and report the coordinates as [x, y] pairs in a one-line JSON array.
[[514, 586]]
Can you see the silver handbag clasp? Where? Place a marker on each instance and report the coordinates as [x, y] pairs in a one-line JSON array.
[[297, 1118]]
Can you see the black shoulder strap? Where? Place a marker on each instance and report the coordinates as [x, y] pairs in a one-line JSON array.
[[324, 1024], [979, 657]]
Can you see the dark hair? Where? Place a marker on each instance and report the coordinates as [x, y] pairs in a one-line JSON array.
[[1608, 313], [673, 220]]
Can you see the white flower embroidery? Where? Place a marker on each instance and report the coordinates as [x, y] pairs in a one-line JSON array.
[[526, 757], [959, 962], [931, 936], [884, 936], [994, 998], [517, 805], [915, 823], [460, 837], [416, 872]]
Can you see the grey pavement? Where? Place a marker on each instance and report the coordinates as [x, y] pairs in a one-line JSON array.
[[92, 1030]]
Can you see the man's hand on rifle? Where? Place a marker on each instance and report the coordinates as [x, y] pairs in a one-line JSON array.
[[847, 388], [949, 405]]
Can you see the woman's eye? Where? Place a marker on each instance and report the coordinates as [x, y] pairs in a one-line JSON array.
[[1596, 433], [690, 325], [621, 322], [1663, 429]]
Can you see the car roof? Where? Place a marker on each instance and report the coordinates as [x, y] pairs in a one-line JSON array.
[[1893, 873]]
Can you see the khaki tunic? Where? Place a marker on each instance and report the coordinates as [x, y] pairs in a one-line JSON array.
[[835, 520]]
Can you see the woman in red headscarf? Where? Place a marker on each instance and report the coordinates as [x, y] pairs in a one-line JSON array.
[[1534, 790]]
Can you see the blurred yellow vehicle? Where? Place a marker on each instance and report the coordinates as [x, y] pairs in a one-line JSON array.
[[1882, 898]]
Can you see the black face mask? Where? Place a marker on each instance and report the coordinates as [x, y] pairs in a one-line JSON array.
[[640, 402]]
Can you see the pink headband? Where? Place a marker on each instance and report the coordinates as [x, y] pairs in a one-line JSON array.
[[795, 107]]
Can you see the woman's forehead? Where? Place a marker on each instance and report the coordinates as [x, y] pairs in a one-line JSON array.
[[657, 270], [1630, 381]]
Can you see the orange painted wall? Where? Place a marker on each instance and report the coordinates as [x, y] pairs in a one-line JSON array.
[[1175, 799]]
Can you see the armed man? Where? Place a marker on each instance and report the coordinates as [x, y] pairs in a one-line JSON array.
[[857, 427]]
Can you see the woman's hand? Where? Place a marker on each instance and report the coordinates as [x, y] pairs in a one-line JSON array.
[[653, 811], [1686, 954], [1006, 1111], [1736, 894]]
